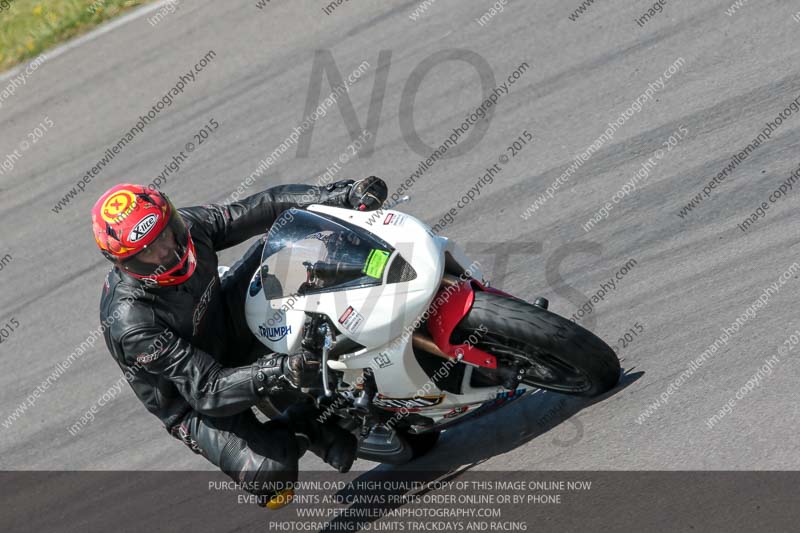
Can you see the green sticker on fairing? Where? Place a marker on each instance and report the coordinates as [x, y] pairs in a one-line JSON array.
[[376, 263]]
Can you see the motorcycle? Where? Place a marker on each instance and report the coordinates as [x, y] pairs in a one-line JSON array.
[[412, 338]]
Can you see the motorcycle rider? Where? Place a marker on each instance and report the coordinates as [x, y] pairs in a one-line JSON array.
[[179, 333]]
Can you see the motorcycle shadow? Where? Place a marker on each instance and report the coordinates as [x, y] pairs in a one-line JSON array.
[[464, 447], [530, 418]]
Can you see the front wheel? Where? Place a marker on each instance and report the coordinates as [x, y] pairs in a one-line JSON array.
[[548, 351]]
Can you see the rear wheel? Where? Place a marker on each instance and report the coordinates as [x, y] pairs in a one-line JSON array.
[[545, 350]]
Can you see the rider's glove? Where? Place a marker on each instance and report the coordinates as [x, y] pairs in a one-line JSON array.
[[368, 194], [268, 374], [365, 195], [279, 371], [302, 369]]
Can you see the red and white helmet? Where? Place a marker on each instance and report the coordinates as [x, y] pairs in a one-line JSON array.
[[142, 233]]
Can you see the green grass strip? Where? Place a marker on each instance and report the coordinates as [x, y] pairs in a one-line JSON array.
[[29, 27]]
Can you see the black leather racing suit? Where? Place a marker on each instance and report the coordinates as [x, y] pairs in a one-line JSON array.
[[182, 347]]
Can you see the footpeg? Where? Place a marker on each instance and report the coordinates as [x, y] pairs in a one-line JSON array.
[[541, 302]]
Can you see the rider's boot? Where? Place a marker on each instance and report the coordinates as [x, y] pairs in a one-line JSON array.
[[329, 442], [334, 445], [279, 499]]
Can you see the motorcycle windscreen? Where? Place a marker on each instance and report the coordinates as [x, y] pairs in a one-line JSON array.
[[308, 253]]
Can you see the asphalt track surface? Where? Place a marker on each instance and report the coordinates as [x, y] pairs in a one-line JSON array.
[[693, 275]]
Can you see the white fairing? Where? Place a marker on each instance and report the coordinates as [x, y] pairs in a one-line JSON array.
[[380, 318]]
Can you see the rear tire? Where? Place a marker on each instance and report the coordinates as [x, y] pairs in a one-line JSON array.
[[558, 354]]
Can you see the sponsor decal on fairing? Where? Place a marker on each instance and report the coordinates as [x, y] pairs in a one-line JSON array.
[[410, 404], [351, 320]]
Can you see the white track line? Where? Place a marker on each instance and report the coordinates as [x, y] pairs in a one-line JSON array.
[[92, 35]]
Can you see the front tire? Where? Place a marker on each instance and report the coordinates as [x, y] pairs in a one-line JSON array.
[[555, 353]]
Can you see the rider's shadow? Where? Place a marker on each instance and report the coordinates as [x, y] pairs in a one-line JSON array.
[[478, 440]]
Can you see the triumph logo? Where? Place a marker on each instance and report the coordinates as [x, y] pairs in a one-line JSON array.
[[274, 333], [143, 227]]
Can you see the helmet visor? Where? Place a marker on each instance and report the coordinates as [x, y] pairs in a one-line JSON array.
[[164, 253]]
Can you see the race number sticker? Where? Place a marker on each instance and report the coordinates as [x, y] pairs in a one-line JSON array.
[[376, 263], [351, 320]]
